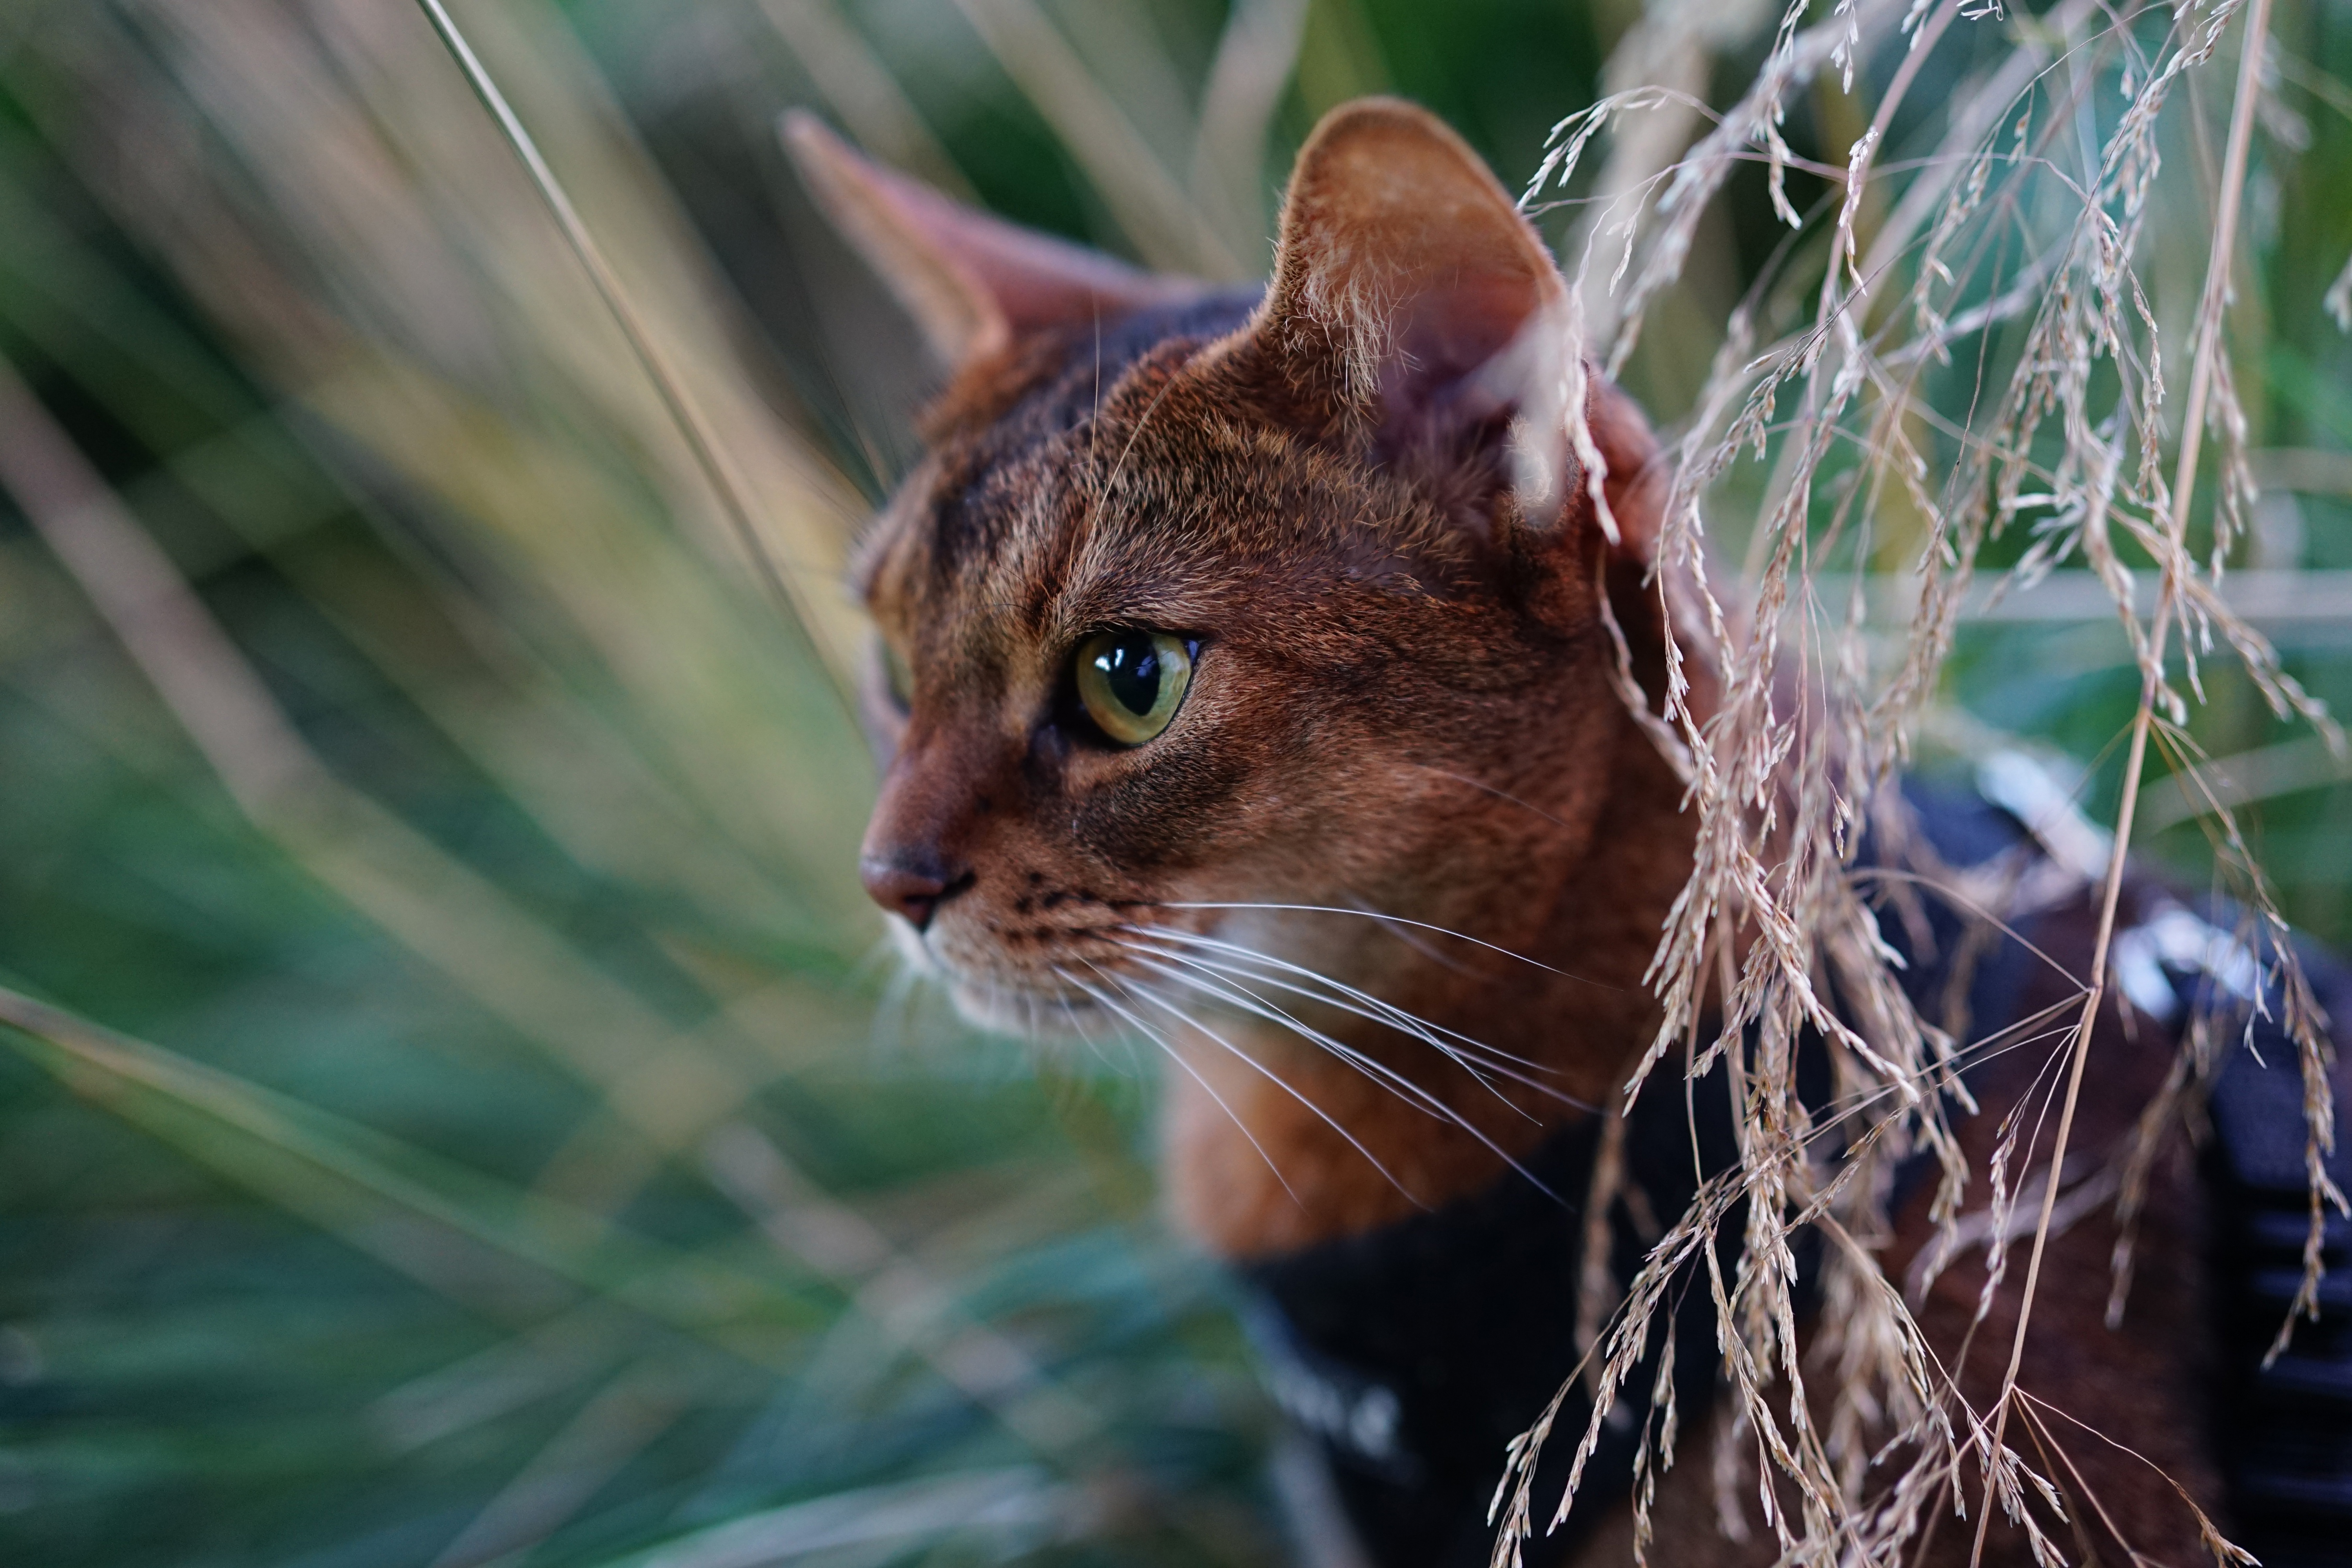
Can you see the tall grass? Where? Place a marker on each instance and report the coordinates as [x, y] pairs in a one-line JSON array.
[[455, 1111]]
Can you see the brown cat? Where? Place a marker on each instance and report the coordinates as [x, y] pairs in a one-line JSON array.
[[1254, 691]]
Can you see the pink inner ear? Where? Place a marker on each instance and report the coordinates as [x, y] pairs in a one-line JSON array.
[[1450, 333], [1400, 250]]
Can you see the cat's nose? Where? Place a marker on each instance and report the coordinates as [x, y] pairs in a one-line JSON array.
[[911, 889]]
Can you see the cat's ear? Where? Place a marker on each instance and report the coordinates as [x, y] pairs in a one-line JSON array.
[[1413, 307], [973, 283]]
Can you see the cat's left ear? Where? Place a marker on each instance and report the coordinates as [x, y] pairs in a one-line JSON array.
[[1415, 311], [975, 284]]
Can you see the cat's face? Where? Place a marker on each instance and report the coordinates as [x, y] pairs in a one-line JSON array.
[[1202, 645]]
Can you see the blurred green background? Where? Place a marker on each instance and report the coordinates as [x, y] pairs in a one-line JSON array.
[[480, 1123]]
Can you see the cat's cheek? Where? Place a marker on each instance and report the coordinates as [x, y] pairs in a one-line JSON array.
[[1161, 818]]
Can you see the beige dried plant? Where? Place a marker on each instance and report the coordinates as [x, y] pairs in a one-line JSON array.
[[2067, 435]]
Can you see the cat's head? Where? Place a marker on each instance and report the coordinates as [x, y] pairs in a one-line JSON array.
[[1207, 609]]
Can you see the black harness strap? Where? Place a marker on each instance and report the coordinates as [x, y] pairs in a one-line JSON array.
[[2284, 1430]]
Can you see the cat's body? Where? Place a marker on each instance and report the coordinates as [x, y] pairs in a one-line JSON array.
[[1386, 878]]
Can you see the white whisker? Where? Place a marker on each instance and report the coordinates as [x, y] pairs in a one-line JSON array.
[[1232, 991], [1403, 1023], [1478, 1060], [1078, 1028], [1404, 1087], [1382, 1011], [1154, 997], [1395, 920], [1415, 940], [1176, 1057], [1382, 1007]]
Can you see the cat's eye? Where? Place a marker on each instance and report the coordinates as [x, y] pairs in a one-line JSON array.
[[1132, 682]]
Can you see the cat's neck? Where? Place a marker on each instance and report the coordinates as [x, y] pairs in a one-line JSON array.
[[1274, 1143]]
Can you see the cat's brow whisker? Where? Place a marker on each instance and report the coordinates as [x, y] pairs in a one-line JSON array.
[[1155, 998], [1176, 1056], [1394, 920], [1112, 482], [1405, 1088]]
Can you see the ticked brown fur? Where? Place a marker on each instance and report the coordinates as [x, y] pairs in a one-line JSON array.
[[1404, 764]]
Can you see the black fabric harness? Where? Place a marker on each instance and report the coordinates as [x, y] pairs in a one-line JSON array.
[[1414, 1354], [2284, 1431]]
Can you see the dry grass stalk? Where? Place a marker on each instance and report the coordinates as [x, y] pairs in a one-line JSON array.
[[710, 453], [861, 90], [1771, 917], [1151, 207]]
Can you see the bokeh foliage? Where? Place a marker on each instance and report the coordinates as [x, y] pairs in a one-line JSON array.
[[515, 1146]]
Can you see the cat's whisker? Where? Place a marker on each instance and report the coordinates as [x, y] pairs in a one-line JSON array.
[[1300, 981], [1483, 1068], [1232, 982], [1147, 993], [1477, 1060], [1241, 997], [1393, 920], [1415, 940], [1405, 1088], [1411, 1022], [1473, 1063], [1078, 1027], [1167, 1048], [1387, 1012]]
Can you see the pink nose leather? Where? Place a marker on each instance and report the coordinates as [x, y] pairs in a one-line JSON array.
[[912, 891]]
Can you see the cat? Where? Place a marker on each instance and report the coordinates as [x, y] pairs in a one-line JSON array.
[[1263, 673]]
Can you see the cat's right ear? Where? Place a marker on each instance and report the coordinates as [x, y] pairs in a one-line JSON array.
[[973, 283]]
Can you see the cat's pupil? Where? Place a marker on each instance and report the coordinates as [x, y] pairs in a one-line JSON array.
[[1130, 667]]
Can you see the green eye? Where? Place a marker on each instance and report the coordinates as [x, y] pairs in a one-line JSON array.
[[1132, 682]]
